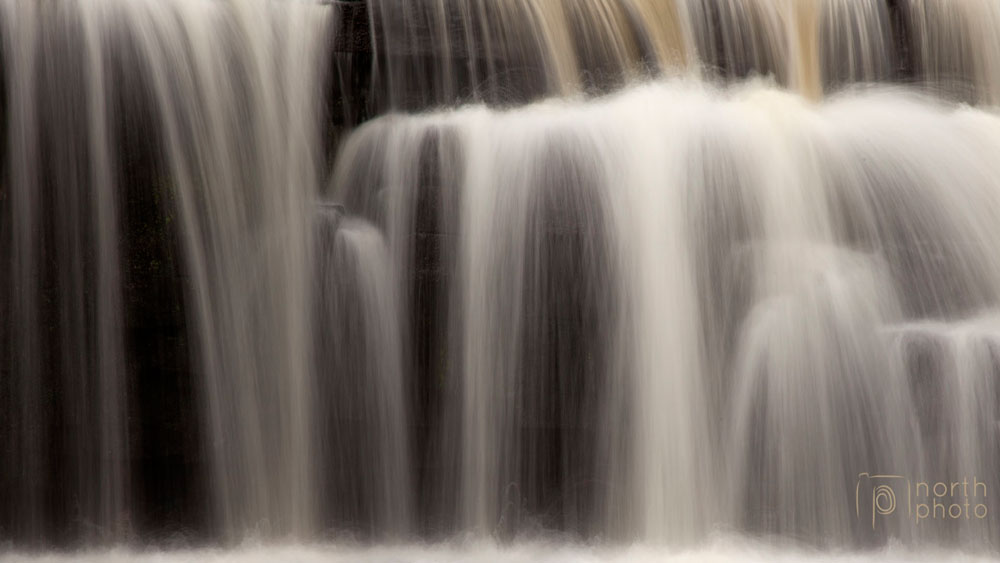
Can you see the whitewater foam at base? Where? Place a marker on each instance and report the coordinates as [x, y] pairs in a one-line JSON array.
[[473, 552]]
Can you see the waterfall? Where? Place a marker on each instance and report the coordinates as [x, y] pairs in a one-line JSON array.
[[230, 94], [499, 274], [62, 227], [358, 362], [237, 106], [701, 292]]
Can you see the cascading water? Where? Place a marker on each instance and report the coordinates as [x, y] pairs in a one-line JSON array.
[[231, 96], [704, 275]]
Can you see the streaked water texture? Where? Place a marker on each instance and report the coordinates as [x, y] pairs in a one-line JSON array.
[[622, 274]]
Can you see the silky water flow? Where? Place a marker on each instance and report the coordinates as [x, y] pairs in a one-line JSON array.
[[598, 279]]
